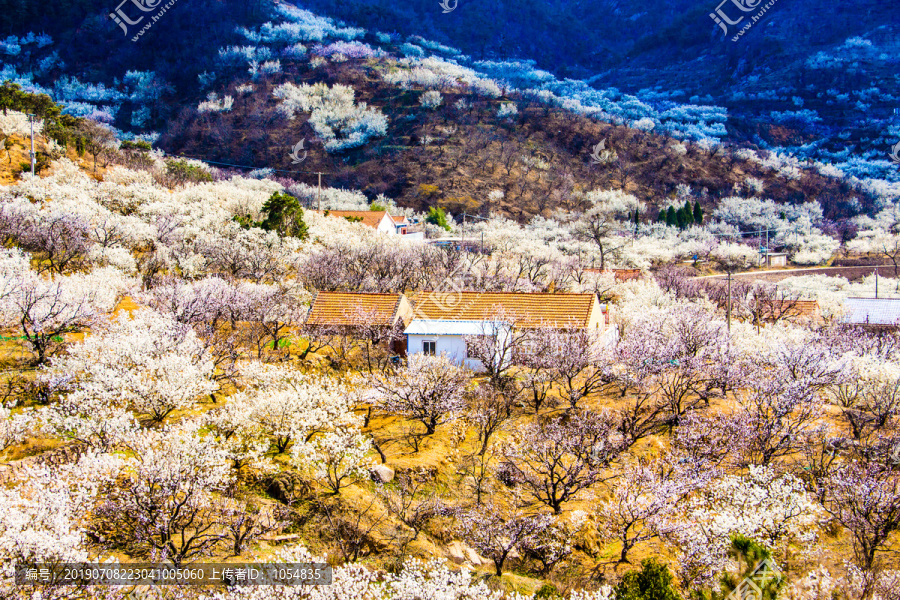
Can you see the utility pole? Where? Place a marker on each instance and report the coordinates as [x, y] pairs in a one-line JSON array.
[[465, 215], [31, 120], [319, 192], [728, 308], [464, 229]]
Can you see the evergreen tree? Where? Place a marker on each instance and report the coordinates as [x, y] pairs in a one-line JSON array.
[[688, 213], [283, 214], [671, 220], [680, 218], [437, 216], [698, 213]]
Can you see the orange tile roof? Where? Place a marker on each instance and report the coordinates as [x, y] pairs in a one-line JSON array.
[[398, 219], [528, 310], [338, 308], [369, 217]]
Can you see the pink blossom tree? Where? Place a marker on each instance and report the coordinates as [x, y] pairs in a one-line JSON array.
[[556, 458], [430, 390], [496, 535]]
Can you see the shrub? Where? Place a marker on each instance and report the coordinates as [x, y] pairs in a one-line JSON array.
[[431, 99], [181, 172], [437, 216], [652, 582], [136, 145], [547, 592]]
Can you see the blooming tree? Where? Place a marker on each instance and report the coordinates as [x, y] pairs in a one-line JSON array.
[[336, 458], [165, 506], [865, 499], [495, 535], [287, 405], [642, 504], [146, 361], [430, 390], [557, 458], [46, 513]]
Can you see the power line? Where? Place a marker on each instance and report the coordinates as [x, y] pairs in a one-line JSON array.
[[213, 162]]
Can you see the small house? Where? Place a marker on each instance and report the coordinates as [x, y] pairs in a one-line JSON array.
[[354, 313], [379, 220], [443, 320], [774, 259]]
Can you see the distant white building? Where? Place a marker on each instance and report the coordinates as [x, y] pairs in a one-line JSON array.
[[873, 312], [774, 259]]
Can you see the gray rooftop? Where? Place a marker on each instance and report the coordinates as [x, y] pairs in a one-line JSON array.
[[449, 327], [873, 311]]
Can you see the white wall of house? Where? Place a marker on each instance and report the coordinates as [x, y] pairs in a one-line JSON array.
[[444, 337], [452, 346], [438, 337], [386, 225]]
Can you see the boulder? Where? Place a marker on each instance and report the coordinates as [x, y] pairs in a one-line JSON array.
[[382, 473], [461, 553]]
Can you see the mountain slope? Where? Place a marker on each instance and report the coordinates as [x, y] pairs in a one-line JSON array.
[[202, 82]]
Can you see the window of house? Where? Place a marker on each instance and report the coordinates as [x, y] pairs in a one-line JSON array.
[[429, 348]]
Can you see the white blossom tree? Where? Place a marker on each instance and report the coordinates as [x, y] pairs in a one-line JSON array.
[[165, 507], [430, 390], [147, 362]]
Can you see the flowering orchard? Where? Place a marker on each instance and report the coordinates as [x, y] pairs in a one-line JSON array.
[[164, 399]]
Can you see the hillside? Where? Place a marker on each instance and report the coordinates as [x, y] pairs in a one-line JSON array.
[[806, 71], [175, 383], [452, 157], [454, 154]]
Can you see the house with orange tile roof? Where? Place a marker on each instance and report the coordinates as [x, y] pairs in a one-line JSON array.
[[443, 320], [352, 313], [379, 220]]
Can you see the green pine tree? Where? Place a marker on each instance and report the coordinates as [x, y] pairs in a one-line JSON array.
[[671, 220], [284, 215], [437, 216], [698, 213], [688, 213], [680, 218]]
